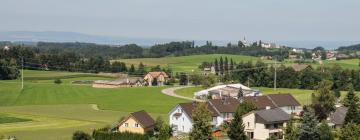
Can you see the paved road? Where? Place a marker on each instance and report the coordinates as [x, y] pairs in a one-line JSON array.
[[171, 92]]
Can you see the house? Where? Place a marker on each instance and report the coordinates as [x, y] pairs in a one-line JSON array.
[[265, 123], [209, 70], [156, 78], [180, 117], [117, 83], [337, 118], [137, 122], [268, 57], [285, 102], [300, 67]]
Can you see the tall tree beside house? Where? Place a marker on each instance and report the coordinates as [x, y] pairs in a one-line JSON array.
[[324, 131], [132, 69], [236, 127], [291, 132], [307, 128], [323, 101], [240, 95], [350, 131], [221, 66], [202, 123], [216, 65], [352, 102], [141, 69], [162, 130], [231, 64], [226, 66]]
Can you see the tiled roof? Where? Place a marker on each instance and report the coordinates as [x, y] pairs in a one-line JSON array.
[[338, 116], [156, 74], [271, 116], [281, 100], [189, 107], [143, 118], [261, 102], [228, 105]]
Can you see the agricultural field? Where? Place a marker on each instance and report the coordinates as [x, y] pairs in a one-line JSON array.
[[186, 63], [191, 63], [55, 111]]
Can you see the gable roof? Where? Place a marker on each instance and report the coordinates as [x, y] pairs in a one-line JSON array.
[[260, 101], [156, 74], [300, 67], [267, 116], [189, 107], [281, 100], [338, 116], [228, 105], [143, 118]]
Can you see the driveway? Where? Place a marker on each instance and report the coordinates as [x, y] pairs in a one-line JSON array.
[[171, 92]]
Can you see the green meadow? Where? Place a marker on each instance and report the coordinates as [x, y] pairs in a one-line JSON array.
[[55, 111]]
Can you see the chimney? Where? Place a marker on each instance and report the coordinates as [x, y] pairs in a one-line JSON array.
[[267, 107]]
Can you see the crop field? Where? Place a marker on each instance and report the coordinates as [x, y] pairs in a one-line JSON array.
[[55, 111]]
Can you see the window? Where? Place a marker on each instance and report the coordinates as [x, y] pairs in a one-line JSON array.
[[248, 124], [136, 125], [126, 124]]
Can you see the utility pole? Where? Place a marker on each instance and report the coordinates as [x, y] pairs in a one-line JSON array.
[[275, 76], [22, 73]]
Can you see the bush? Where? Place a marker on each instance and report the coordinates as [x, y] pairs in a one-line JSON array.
[[57, 81], [101, 135], [80, 135]]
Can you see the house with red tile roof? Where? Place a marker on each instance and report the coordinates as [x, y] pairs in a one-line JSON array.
[[156, 78]]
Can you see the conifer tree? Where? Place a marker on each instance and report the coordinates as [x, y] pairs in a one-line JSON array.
[[324, 132], [226, 66], [307, 129], [236, 131], [324, 100], [221, 66], [291, 132], [352, 102], [216, 65]]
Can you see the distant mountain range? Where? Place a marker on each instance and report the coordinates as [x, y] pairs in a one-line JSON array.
[[55, 36]]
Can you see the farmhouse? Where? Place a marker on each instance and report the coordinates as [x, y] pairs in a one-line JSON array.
[[263, 124], [209, 70], [117, 83], [137, 122], [156, 78]]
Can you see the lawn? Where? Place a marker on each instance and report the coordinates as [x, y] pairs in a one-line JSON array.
[[186, 63], [57, 111]]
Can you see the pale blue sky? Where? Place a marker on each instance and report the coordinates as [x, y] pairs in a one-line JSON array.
[[272, 20]]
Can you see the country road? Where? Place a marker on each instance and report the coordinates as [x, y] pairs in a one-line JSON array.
[[171, 92]]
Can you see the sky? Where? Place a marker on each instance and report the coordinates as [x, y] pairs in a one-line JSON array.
[[269, 20]]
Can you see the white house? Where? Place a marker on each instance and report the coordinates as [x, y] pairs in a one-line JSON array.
[[263, 124], [224, 89], [180, 117]]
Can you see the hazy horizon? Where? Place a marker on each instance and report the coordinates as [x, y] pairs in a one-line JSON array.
[[271, 20]]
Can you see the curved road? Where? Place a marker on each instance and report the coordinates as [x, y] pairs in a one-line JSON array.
[[171, 92]]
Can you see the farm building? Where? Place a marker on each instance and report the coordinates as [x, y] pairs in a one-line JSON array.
[[230, 90], [137, 122], [156, 78], [117, 83]]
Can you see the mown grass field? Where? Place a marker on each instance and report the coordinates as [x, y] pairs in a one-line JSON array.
[[56, 111]]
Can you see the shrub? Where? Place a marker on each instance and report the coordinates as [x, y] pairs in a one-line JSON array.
[[80, 135], [57, 81]]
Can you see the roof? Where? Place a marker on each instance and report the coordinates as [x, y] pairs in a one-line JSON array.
[[267, 116], [206, 91], [300, 67], [189, 107], [261, 102], [228, 105], [281, 100], [338, 116], [156, 74], [143, 118]]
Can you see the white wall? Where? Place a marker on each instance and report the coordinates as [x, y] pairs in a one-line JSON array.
[[183, 122], [288, 109]]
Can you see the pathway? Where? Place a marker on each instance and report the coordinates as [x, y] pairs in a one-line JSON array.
[[171, 92]]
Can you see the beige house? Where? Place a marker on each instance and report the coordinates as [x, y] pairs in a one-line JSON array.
[[117, 83], [137, 122], [263, 124], [158, 78]]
